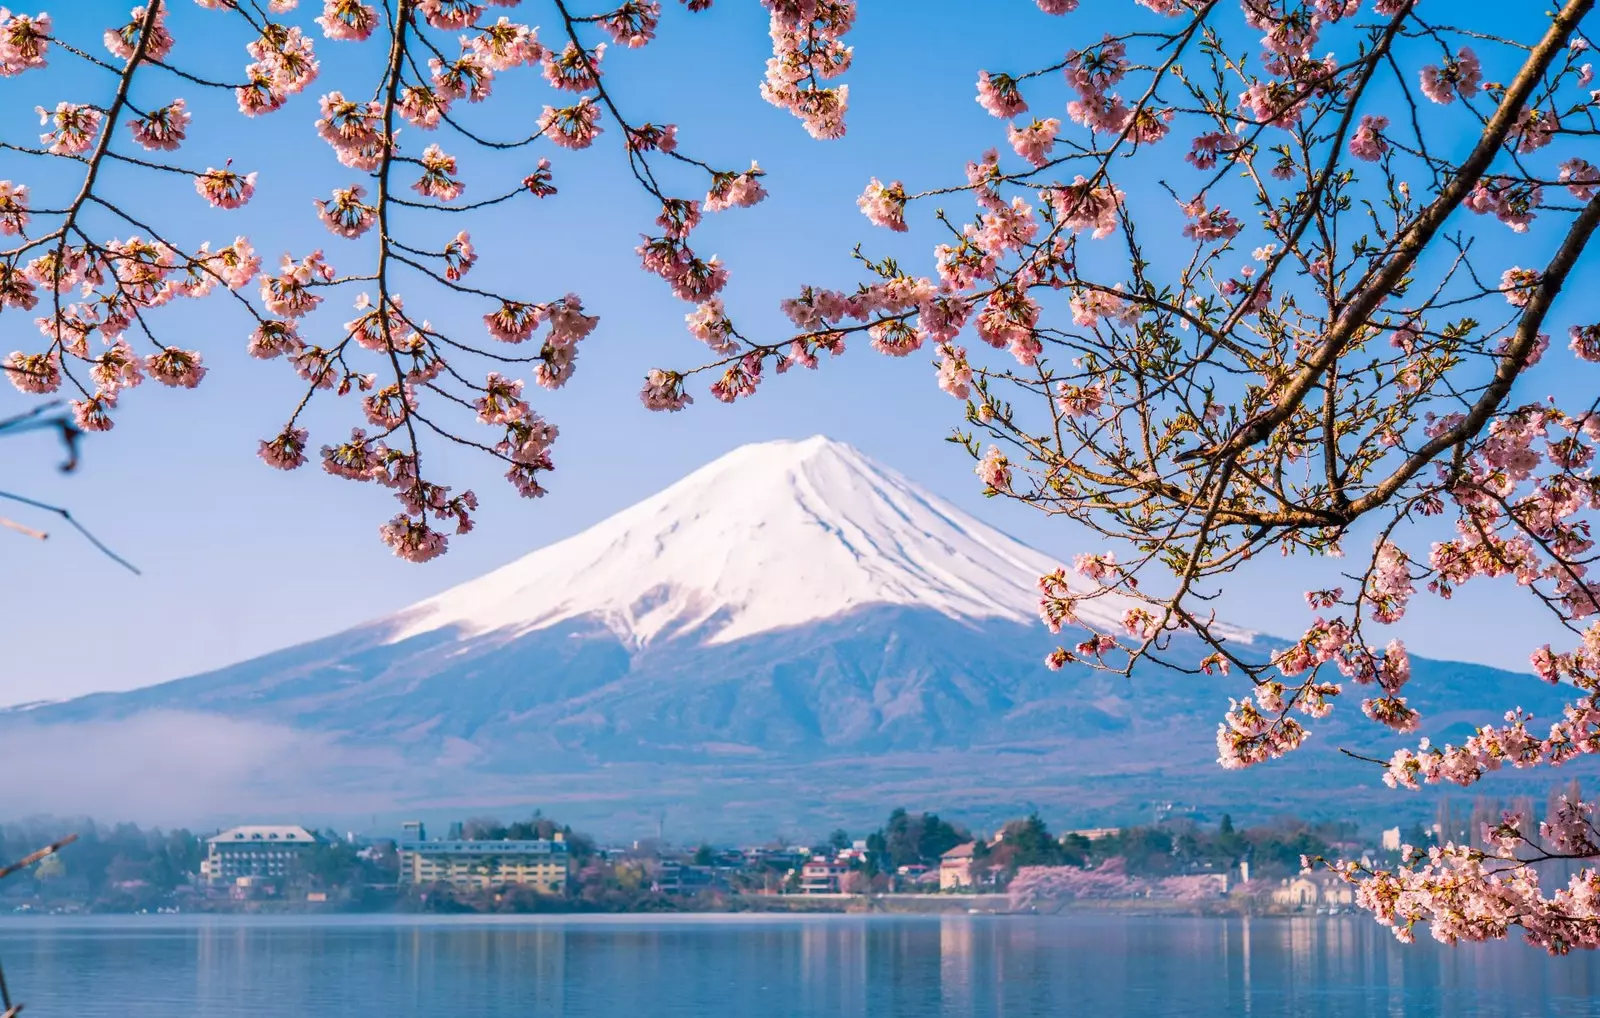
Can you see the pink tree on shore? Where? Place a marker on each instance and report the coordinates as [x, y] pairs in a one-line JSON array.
[[1047, 888], [1245, 277]]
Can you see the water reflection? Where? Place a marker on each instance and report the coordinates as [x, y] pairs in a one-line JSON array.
[[732, 967], [955, 964]]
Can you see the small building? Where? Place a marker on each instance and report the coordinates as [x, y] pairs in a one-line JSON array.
[[916, 874], [255, 851], [821, 875], [955, 867], [1093, 833], [677, 878], [464, 864], [252, 888], [1391, 839]]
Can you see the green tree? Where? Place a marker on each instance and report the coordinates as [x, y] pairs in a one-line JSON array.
[[1029, 843], [936, 838], [922, 838]]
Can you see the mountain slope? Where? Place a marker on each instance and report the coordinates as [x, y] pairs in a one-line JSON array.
[[770, 536], [792, 635]]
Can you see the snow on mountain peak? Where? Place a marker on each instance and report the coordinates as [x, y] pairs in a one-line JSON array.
[[771, 535]]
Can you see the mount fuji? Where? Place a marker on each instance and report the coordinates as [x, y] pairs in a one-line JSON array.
[[789, 637], [769, 537]]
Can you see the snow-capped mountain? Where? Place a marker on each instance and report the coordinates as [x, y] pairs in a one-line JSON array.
[[770, 536], [790, 636]]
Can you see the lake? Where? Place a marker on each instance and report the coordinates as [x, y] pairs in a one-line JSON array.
[[768, 967]]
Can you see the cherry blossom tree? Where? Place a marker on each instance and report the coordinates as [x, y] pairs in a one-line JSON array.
[[1277, 282], [1246, 276], [1050, 888], [94, 272]]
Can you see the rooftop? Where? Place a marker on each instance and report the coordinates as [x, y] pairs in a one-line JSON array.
[[254, 833], [485, 847]]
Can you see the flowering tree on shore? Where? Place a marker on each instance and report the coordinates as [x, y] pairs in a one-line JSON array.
[[1246, 276], [1052, 888], [1049, 888]]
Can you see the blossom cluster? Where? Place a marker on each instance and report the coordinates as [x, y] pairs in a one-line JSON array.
[[398, 141], [1463, 892]]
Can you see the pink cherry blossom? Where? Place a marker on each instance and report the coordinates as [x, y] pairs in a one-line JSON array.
[[175, 367], [1035, 141], [1461, 76], [573, 127], [74, 128], [24, 42], [13, 208], [884, 206], [735, 190], [1367, 141], [1207, 225], [286, 451], [1519, 285], [994, 470], [999, 95], [439, 178], [1581, 177], [663, 390], [224, 188], [122, 42], [162, 129], [345, 214], [347, 20]]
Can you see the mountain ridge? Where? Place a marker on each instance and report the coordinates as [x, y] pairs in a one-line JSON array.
[[792, 633]]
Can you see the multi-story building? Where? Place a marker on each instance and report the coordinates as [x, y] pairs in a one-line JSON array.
[[254, 853], [475, 865], [821, 875]]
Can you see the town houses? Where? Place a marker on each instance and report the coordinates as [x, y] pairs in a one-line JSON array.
[[540, 865]]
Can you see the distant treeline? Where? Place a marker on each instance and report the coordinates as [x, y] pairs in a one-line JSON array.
[[1170, 848], [123, 867]]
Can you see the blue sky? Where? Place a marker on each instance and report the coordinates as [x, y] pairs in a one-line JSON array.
[[239, 559]]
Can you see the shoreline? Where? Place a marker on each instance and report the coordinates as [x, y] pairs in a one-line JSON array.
[[402, 920], [739, 905]]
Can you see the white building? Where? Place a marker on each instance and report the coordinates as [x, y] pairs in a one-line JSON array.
[[479, 865], [1391, 840], [259, 851], [1314, 890]]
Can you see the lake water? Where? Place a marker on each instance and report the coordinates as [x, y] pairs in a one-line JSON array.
[[764, 967]]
